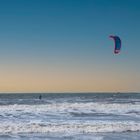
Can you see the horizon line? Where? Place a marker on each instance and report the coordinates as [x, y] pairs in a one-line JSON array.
[[92, 92]]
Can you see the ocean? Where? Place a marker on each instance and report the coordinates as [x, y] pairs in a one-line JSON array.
[[70, 116]]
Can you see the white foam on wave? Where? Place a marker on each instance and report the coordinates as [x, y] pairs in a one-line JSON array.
[[67, 108], [93, 127]]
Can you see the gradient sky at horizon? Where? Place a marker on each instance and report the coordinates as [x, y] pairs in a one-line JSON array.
[[64, 46]]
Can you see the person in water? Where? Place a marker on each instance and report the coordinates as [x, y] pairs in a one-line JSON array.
[[40, 97]]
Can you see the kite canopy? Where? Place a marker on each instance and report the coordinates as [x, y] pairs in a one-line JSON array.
[[117, 42]]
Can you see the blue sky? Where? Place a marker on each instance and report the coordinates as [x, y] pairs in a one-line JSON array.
[[62, 41]]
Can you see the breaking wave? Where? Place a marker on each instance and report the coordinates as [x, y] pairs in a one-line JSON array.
[[94, 127], [72, 108]]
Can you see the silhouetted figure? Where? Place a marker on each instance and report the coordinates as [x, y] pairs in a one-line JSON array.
[[40, 97]]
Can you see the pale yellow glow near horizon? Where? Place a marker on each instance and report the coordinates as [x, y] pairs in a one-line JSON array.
[[66, 81]]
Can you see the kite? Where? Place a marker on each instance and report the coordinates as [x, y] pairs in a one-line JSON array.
[[117, 42]]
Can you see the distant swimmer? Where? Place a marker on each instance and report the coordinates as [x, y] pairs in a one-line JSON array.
[[40, 97]]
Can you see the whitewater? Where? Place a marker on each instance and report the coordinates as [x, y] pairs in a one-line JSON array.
[[62, 116]]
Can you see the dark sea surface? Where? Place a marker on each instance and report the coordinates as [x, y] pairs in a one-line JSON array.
[[70, 116]]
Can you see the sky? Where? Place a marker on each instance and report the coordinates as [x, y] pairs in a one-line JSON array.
[[64, 46]]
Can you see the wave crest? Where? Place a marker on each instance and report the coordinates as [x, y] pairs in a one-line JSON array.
[[70, 128]]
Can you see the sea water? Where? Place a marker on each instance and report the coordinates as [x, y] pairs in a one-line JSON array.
[[70, 116]]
